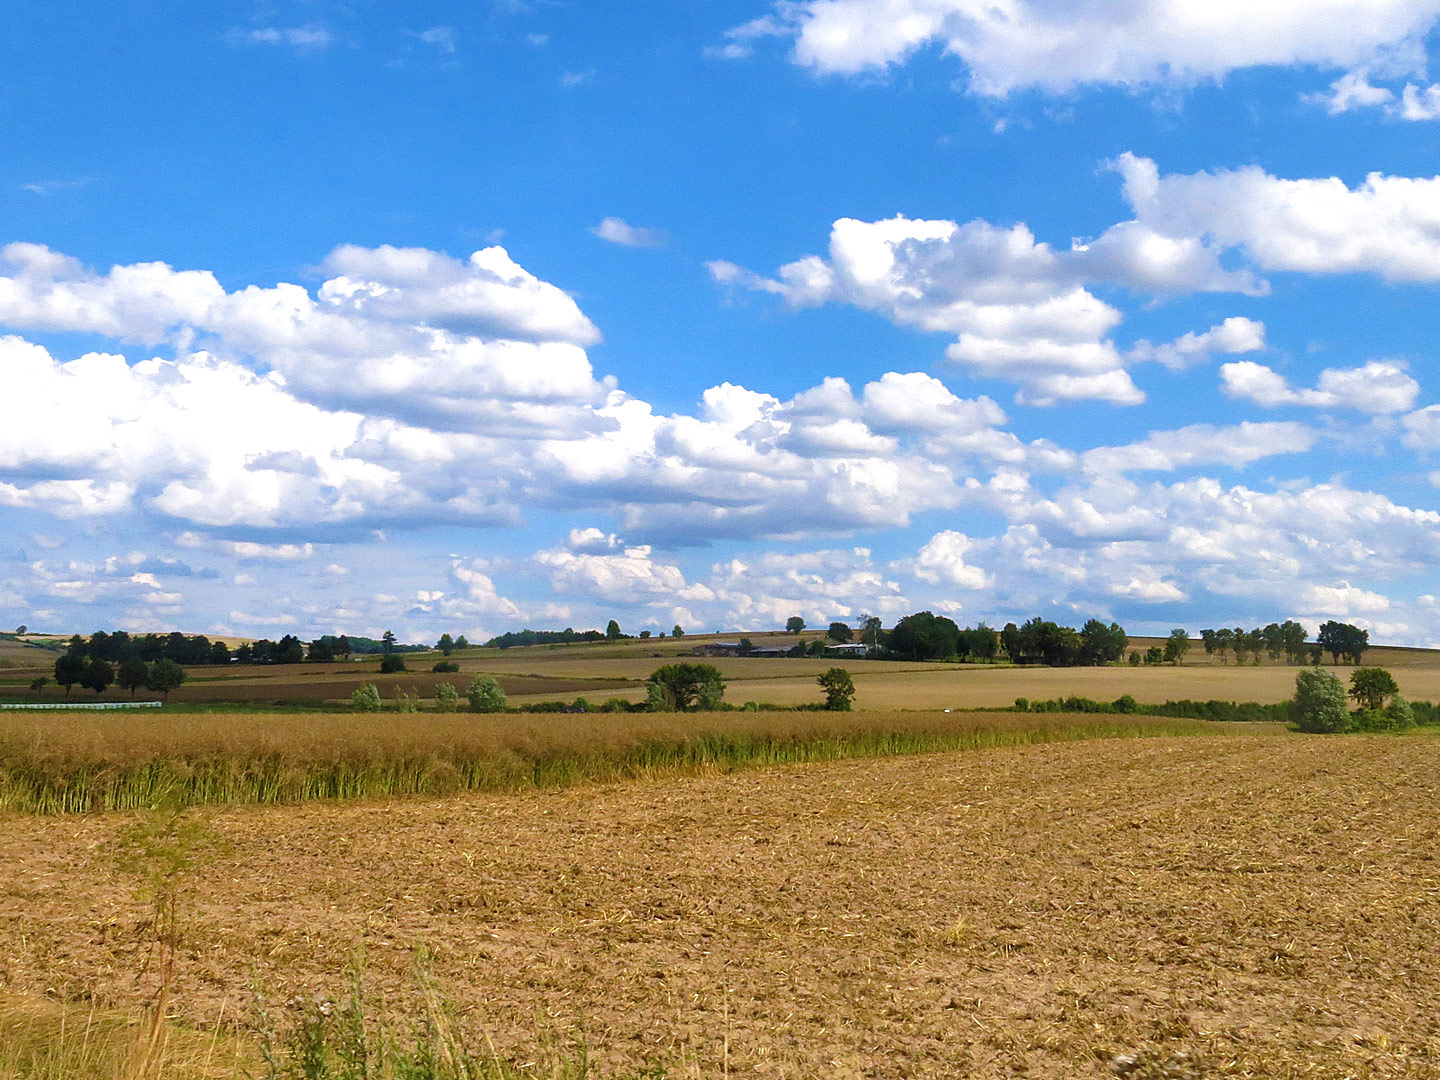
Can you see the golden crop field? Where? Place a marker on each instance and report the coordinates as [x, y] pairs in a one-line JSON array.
[[1266, 907], [83, 762]]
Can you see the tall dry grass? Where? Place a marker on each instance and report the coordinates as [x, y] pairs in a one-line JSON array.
[[46, 1040], [77, 763]]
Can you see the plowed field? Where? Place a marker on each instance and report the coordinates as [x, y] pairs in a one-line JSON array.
[[1269, 903]]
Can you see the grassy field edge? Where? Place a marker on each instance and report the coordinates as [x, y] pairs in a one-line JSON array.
[[36, 778]]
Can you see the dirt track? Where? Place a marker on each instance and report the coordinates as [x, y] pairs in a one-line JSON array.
[[1271, 902]]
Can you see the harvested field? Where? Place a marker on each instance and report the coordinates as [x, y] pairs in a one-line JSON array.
[[1271, 903]]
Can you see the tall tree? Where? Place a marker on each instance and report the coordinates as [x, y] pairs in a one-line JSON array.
[[1342, 639], [612, 630], [839, 632], [794, 624], [132, 674], [387, 640], [1177, 645], [446, 644], [165, 675], [98, 675], [69, 670], [925, 636]]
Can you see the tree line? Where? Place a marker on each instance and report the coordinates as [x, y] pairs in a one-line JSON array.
[[519, 638], [1290, 640]]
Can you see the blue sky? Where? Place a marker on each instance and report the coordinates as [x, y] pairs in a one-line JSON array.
[[321, 317]]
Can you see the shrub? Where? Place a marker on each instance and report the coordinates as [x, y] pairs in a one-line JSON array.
[[615, 704], [447, 698], [446, 667], [1400, 713], [1318, 706], [486, 695], [1022, 704], [1125, 703], [406, 702], [683, 687], [391, 663], [839, 688], [366, 698]]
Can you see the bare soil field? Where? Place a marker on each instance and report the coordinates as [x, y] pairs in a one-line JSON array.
[[1269, 903]]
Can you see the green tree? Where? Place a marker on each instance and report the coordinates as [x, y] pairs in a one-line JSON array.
[[1274, 635], [677, 632], [684, 687], [1224, 638], [1341, 639], [447, 698], [925, 636], [342, 646], [165, 675], [132, 674], [839, 689], [387, 641], [462, 642], [980, 641], [1207, 638], [446, 644], [870, 628], [1101, 644], [1294, 636], [288, 650], [98, 675], [1370, 686], [1010, 641], [321, 650], [1318, 706], [1177, 645], [839, 632], [391, 663], [485, 694], [794, 624], [365, 698], [69, 670], [612, 630]]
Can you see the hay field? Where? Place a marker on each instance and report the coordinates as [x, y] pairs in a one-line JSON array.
[[1269, 903]]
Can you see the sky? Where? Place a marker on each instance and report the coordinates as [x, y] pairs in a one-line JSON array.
[[323, 317]]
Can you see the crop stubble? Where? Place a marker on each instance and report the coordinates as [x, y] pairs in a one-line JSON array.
[[1272, 902]]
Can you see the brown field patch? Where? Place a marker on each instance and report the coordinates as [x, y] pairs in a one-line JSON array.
[[1271, 903]]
